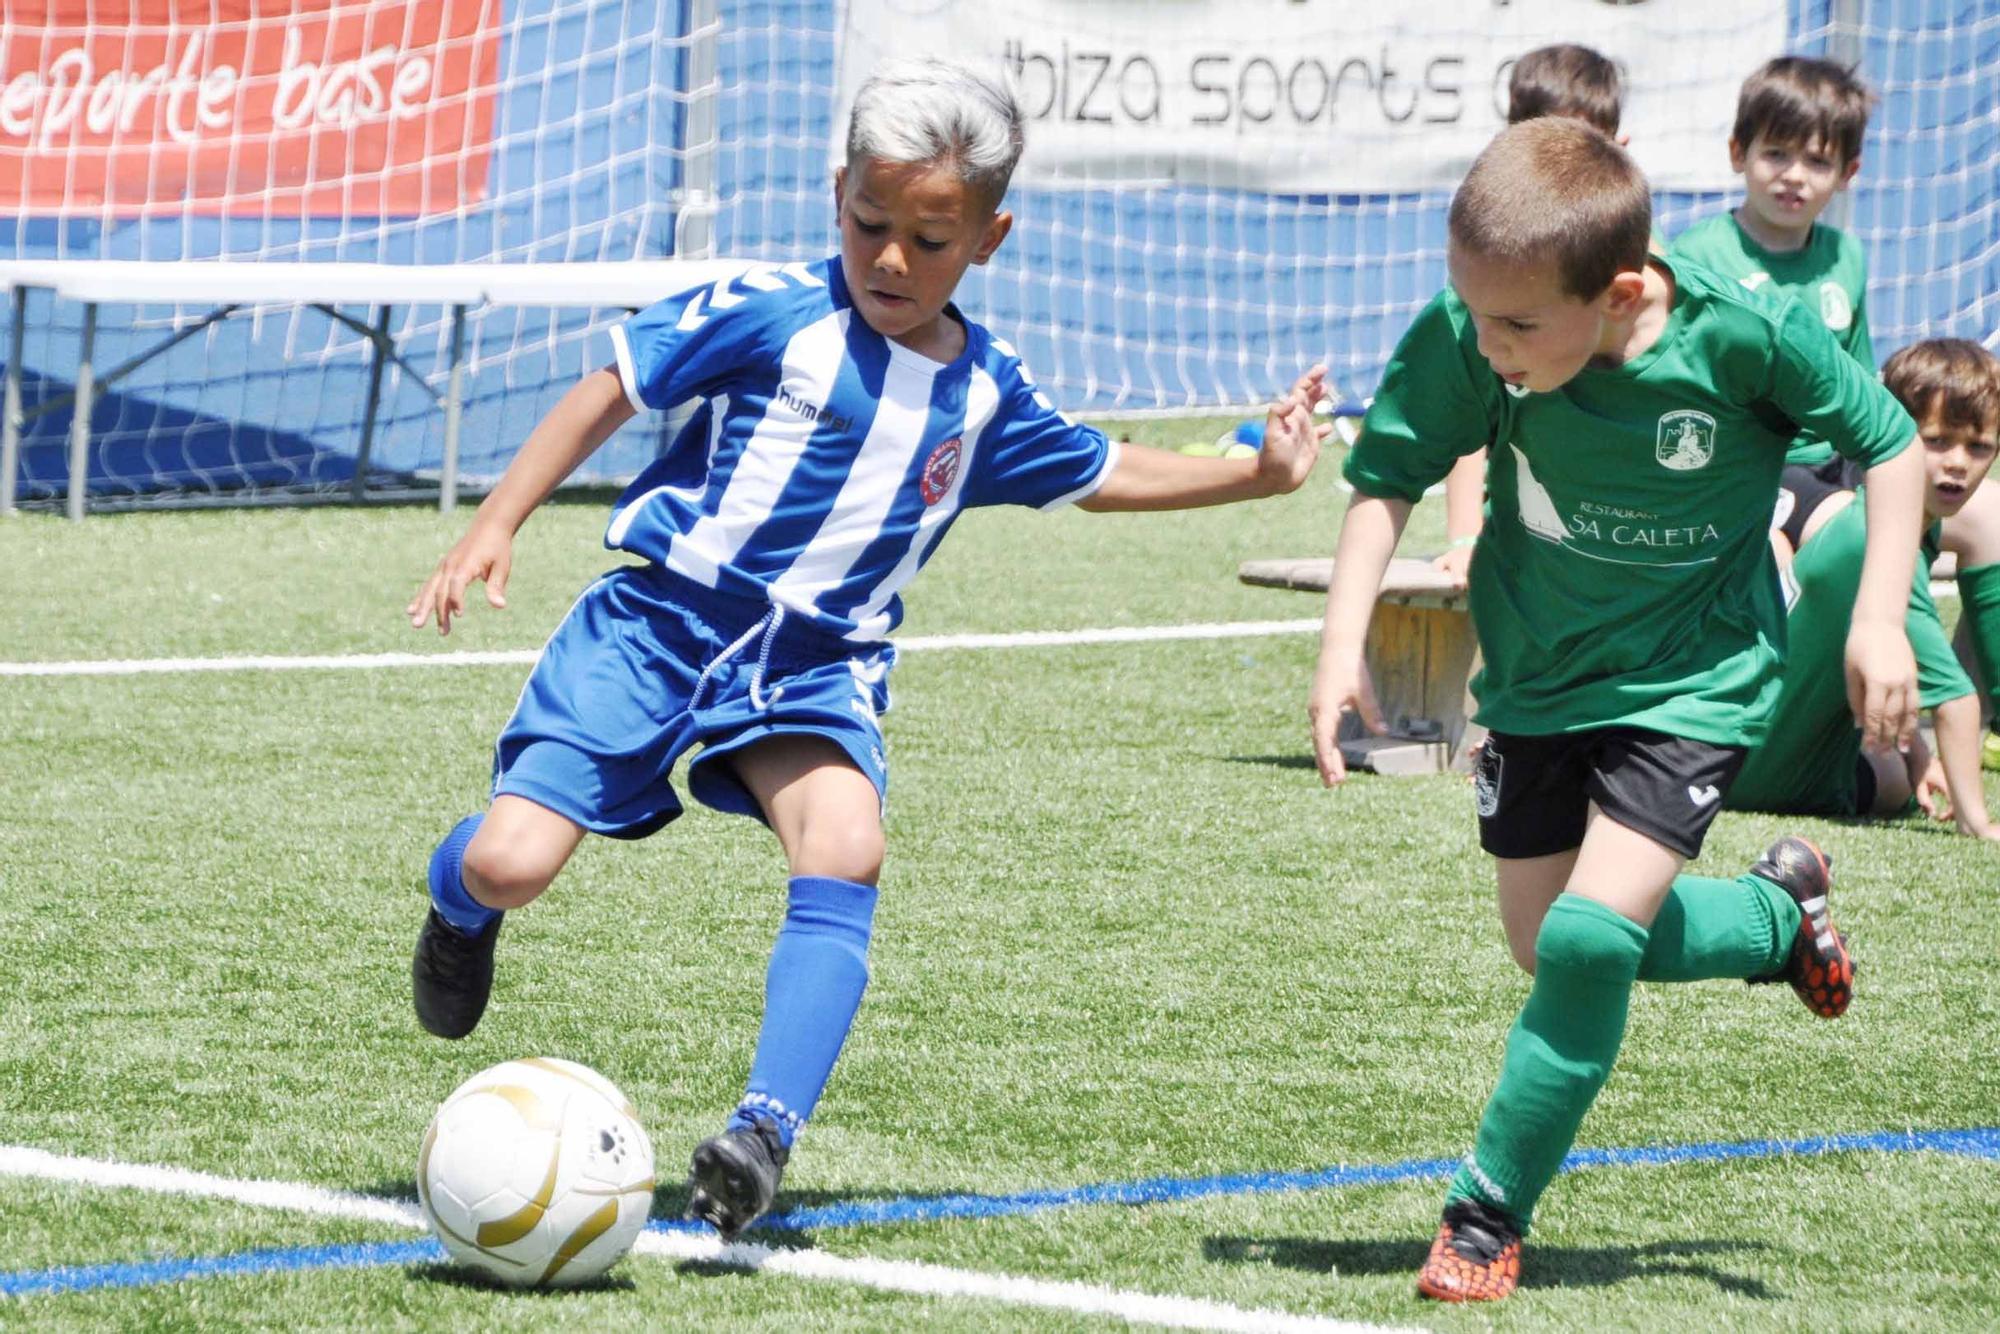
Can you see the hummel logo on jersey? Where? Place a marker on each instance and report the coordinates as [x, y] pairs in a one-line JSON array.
[[1704, 796], [812, 411]]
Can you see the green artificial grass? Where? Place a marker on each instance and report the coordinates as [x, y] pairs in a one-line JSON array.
[[1123, 934]]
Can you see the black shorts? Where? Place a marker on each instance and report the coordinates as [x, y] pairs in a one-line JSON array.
[[1534, 792], [1801, 490]]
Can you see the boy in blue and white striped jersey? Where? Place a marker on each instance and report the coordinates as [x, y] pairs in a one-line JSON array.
[[850, 413]]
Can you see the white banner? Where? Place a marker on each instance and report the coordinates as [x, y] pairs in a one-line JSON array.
[[1319, 96]]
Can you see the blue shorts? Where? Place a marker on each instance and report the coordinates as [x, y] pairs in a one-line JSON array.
[[645, 667]]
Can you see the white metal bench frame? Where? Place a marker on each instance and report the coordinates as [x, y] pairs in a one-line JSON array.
[[228, 286]]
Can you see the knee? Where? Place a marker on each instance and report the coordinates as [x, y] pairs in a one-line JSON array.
[[841, 850], [1523, 952], [1892, 785], [1581, 939], [507, 871]]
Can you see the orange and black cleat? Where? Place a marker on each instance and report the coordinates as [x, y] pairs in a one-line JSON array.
[[1820, 969], [1476, 1257]]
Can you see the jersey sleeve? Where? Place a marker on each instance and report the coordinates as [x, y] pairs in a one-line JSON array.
[[1427, 413], [1831, 395], [1939, 675], [688, 345], [1031, 454]]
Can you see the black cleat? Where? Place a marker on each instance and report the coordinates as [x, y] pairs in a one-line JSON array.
[[1820, 969], [452, 975], [734, 1176]]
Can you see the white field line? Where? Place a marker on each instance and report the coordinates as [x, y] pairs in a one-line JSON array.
[[925, 1280], [522, 657]]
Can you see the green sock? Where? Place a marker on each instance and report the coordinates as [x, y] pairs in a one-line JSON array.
[[1720, 928], [1979, 608], [1558, 1055]]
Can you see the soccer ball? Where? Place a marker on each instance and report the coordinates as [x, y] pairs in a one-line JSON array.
[[536, 1173]]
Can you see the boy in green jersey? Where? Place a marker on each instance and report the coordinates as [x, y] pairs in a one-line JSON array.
[[1812, 762], [1797, 144], [1637, 410], [1560, 80]]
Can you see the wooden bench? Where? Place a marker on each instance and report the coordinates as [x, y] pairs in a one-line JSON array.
[[1421, 653]]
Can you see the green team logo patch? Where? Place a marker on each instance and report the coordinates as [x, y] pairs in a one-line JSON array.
[[1686, 440]]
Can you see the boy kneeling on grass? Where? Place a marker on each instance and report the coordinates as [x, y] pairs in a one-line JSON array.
[[1812, 762]]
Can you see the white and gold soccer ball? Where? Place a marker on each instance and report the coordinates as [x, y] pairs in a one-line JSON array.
[[536, 1173]]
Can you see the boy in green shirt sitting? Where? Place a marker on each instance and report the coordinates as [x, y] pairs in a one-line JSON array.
[[1797, 142], [1812, 762], [1637, 409]]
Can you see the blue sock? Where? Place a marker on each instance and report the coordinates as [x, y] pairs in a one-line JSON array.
[[448, 892], [819, 968]]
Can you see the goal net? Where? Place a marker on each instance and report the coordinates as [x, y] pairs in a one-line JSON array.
[[1216, 192]]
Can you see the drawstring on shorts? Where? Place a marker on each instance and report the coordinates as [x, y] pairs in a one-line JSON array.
[[768, 624]]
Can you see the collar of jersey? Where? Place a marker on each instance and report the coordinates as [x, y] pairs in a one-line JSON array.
[[1676, 321], [837, 279]]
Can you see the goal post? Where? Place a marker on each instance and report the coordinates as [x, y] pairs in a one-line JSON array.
[[1216, 193]]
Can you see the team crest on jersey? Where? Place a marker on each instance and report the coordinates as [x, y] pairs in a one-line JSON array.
[[1834, 307], [1686, 440], [941, 470]]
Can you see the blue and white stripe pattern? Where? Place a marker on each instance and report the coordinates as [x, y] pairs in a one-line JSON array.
[[827, 460]]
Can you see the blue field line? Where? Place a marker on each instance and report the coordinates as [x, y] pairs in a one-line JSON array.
[[145, 1273], [1978, 1143], [1983, 1143]]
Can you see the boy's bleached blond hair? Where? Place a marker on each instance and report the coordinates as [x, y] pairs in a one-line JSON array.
[[1555, 189], [1566, 80], [929, 110], [1955, 378], [1800, 99]]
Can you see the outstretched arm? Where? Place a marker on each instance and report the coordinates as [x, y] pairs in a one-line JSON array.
[[1881, 670], [1159, 479], [584, 419], [1368, 538]]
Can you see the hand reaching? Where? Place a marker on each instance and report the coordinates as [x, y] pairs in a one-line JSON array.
[[1882, 686], [486, 553], [1932, 794], [1456, 562], [1292, 435], [1340, 684]]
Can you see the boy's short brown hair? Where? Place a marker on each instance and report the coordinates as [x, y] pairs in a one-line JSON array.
[[1955, 378], [1566, 80], [1554, 188], [1798, 99]]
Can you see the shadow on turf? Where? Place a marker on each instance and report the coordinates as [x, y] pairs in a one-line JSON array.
[[1545, 1266], [1301, 760], [456, 1276]]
